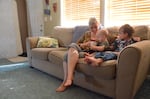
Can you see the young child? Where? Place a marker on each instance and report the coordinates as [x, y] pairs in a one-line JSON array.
[[124, 39], [100, 42]]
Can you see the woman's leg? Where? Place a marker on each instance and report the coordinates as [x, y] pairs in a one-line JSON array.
[[73, 57], [62, 88]]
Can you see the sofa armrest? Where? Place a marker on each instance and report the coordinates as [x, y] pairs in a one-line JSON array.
[[132, 67], [31, 43]]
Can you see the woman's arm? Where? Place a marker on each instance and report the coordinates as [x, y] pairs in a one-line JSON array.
[[83, 45]]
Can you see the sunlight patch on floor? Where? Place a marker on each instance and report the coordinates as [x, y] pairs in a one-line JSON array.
[[18, 59], [13, 66]]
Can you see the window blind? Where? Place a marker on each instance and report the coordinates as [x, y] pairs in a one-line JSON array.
[[79, 11], [135, 12]]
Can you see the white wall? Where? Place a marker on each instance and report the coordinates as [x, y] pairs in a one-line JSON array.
[[10, 41], [35, 17]]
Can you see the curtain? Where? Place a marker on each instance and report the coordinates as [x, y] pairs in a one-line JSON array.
[[79, 11], [135, 12]]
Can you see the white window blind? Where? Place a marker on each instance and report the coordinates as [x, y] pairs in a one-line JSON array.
[[78, 12], [135, 12]]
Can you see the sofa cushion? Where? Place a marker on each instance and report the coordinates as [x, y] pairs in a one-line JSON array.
[[56, 57], [141, 31], [42, 53], [63, 34], [78, 32], [107, 70], [112, 33], [45, 42]]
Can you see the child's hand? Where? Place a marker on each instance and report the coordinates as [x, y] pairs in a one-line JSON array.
[[87, 44], [137, 38], [93, 47], [117, 53], [87, 54]]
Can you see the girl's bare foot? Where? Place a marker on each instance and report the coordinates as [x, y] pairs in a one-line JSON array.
[[86, 54], [94, 61], [86, 59], [61, 88], [68, 83]]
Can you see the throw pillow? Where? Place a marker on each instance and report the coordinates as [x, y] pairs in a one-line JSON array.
[[78, 32], [45, 42]]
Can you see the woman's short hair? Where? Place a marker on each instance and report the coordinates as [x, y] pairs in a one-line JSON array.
[[92, 21]]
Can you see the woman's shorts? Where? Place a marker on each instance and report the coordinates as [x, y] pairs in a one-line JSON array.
[[76, 47]]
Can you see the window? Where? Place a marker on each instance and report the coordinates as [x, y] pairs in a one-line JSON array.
[[134, 12], [78, 12]]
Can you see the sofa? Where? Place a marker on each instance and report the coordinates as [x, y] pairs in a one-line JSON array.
[[119, 79]]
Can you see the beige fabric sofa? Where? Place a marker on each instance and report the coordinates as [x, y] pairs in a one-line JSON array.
[[119, 79]]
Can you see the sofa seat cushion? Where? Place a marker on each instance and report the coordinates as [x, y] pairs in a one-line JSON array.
[[42, 53], [106, 70], [56, 57]]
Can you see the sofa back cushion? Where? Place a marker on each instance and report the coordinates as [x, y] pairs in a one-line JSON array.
[[142, 31], [112, 33], [78, 32], [63, 34], [67, 35]]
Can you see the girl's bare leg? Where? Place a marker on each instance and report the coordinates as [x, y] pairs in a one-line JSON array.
[[73, 56], [62, 88]]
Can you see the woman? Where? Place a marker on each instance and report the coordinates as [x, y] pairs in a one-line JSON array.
[[76, 51]]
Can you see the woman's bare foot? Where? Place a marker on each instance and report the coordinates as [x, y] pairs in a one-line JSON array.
[[61, 88], [94, 61], [68, 83]]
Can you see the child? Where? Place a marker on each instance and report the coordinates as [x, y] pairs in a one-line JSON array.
[[124, 39], [101, 38], [101, 42]]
